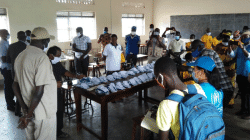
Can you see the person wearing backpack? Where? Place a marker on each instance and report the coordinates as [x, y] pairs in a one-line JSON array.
[[172, 119], [207, 75]]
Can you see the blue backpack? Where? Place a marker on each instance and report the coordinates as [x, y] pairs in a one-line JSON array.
[[199, 119]]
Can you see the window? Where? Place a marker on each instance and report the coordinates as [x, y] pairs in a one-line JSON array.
[[129, 20], [67, 22], [4, 22], [86, 2]]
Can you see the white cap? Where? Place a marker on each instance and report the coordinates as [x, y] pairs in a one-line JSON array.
[[40, 33]]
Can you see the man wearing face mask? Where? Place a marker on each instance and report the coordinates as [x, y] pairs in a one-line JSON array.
[[104, 38], [188, 45], [156, 46], [242, 53], [13, 51], [6, 70], [207, 39], [170, 36], [198, 50], [151, 29], [27, 32], [54, 54], [81, 46], [132, 42], [35, 88], [177, 46]]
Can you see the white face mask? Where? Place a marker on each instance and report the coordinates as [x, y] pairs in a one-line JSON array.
[[78, 34], [8, 37], [56, 60], [133, 33], [191, 40], [151, 29], [45, 49], [156, 33], [225, 43], [209, 33], [231, 37]]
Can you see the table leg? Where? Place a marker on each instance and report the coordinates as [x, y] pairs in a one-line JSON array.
[[78, 111], [104, 119], [140, 96], [145, 94]]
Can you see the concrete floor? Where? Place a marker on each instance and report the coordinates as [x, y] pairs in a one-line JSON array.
[[120, 120]]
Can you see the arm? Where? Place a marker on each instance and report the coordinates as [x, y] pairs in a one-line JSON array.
[[100, 39], [69, 74], [163, 35], [17, 92], [162, 45], [164, 135]]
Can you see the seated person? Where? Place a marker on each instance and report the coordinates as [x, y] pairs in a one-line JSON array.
[[177, 46], [54, 54], [208, 76], [168, 113], [186, 76]]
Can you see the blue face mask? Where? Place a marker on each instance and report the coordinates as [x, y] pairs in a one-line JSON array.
[[195, 79], [105, 32], [245, 40], [177, 37], [28, 38], [196, 53]]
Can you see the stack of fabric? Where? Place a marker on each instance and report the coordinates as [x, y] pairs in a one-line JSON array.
[[101, 90]]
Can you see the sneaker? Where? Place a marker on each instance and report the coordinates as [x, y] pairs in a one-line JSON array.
[[63, 135]]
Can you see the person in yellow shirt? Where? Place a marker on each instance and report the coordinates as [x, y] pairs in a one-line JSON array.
[[185, 75], [167, 116], [188, 45], [207, 39]]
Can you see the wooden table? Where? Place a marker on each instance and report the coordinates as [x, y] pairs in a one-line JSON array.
[[140, 58], [104, 100]]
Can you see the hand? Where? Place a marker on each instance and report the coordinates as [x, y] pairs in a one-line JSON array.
[[240, 45], [23, 122], [167, 28], [82, 57], [80, 76], [59, 84], [173, 28]]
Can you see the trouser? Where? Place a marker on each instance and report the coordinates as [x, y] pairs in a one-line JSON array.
[[244, 88], [132, 58], [60, 111], [41, 129], [111, 72], [8, 91], [82, 65]]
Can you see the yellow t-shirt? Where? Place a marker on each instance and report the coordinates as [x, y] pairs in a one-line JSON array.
[[208, 40], [188, 45], [216, 41], [168, 113], [186, 75]]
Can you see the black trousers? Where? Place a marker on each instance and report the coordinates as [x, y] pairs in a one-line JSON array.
[[244, 88], [8, 91], [82, 65], [132, 58], [60, 110]]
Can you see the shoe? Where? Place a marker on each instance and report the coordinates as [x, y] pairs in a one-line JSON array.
[[246, 116], [240, 113], [63, 135], [11, 108]]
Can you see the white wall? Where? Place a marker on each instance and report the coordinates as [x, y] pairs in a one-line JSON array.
[[163, 9], [28, 14]]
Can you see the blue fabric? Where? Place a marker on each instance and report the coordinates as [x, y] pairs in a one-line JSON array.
[[241, 60], [246, 70], [199, 119], [132, 44], [214, 96]]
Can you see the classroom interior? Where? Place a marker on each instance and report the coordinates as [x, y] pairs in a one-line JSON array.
[[22, 15]]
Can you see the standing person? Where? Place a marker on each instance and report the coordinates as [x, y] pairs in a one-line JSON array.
[[35, 88], [54, 54], [208, 77], [132, 42], [242, 53], [177, 46], [207, 39], [112, 55], [81, 46], [151, 27], [6, 70], [245, 29], [218, 39], [168, 112], [198, 50], [28, 32], [156, 46], [188, 45], [14, 50], [104, 38], [170, 36]]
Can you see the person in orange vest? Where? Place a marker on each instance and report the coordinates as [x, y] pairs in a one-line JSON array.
[[207, 39]]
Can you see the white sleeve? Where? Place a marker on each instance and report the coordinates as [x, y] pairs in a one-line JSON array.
[[88, 40], [106, 50], [183, 47]]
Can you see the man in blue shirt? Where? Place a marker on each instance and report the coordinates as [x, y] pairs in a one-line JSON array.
[[6, 70], [242, 53], [132, 42]]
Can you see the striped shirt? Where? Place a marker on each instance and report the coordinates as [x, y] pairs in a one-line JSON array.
[[81, 44]]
